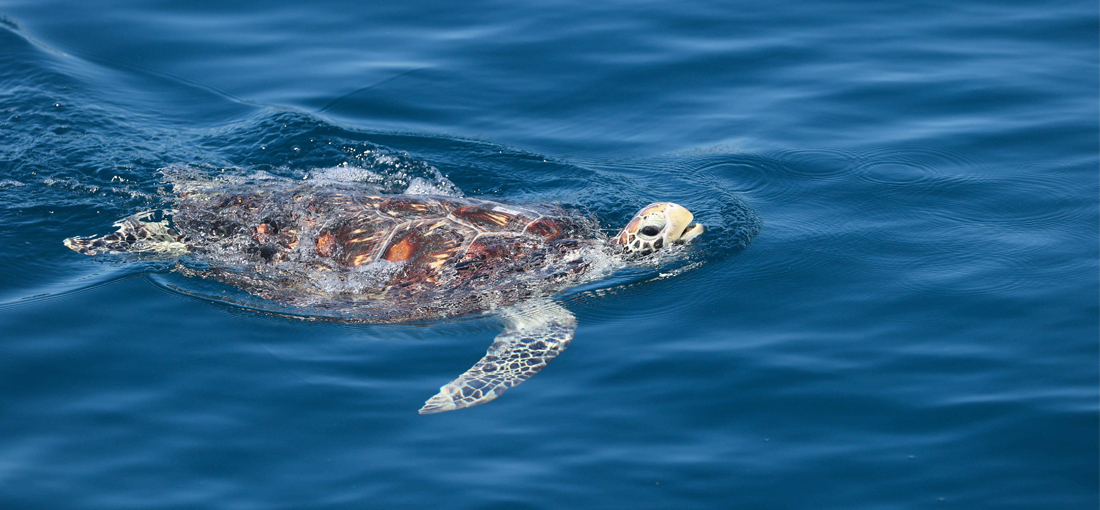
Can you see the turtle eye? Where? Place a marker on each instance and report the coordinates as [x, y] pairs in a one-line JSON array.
[[650, 231]]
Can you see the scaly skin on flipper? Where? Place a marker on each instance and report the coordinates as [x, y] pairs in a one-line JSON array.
[[534, 334], [133, 235]]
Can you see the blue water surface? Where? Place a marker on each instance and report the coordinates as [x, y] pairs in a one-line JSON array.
[[915, 324]]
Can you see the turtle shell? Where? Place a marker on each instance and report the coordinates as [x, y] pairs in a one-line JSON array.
[[398, 256]]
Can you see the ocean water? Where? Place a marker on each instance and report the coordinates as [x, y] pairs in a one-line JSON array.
[[896, 307]]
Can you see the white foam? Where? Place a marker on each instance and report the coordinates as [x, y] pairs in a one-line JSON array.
[[346, 173], [419, 186]]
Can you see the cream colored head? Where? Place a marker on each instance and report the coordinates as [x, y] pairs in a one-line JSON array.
[[656, 226]]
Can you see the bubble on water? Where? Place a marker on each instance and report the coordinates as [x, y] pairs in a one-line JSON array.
[[88, 189], [420, 186], [10, 183], [346, 173], [678, 270]]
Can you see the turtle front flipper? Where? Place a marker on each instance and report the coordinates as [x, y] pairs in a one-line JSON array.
[[535, 332]]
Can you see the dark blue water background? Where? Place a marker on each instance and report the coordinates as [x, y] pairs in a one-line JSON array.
[[914, 326]]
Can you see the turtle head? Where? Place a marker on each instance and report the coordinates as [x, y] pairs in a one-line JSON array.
[[656, 226]]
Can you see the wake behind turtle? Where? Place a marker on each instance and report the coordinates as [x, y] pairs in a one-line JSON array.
[[367, 257]]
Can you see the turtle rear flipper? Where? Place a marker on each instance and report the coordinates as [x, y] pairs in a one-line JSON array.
[[535, 333], [133, 236]]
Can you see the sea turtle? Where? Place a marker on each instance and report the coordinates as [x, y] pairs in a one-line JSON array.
[[357, 255]]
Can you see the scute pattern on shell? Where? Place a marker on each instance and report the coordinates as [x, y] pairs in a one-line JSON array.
[[382, 258]]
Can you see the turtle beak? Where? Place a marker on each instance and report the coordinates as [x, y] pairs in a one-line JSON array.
[[680, 227], [691, 232]]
